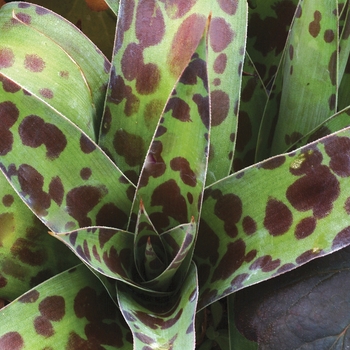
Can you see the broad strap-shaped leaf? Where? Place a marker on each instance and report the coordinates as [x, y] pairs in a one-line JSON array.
[[252, 218], [60, 173], [173, 175], [28, 256], [344, 43], [69, 311], [158, 323], [142, 79], [314, 34], [78, 73]]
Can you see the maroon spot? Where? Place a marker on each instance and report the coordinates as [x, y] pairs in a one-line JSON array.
[[228, 6], [250, 256], [168, 195], [75, 342], [220, 104], [32, 182], [11, 341], [81, 200], [41, 10], [347, 206], [28, 252], [342, 239], [113, 262], [180, 109], [273, 163], [187, 175], [265, 263], [9, 114], [197, 68], [307, 256], [278, 217], [332, 68], [249, 225], [231, 261], [317, 191], [53, 308], [147, 79], [56, 190], [30, 297], [7, 200], [331, 102], [220, 34], [292, 138], [43, 327], [150, 25], [216, 82], [73, 237], [130, 146], [3, 280], [220, 63], [23, 17], [338, 149], [298, 12], [23, 5], [203, 108], [229, 209], [7, 58], [178, 8], [314, 26], [132, 61], [305, 228], [47, 93], [328, 35], [34, 63], [306, 162], [9, 85], [34, 132], [285, 268], [85, 173], [185, 43], [86, 145], [291, 52]]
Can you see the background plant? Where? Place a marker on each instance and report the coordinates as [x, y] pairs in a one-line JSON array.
[[136, 167]]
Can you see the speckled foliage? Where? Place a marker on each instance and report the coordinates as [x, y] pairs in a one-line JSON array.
[[138, 166]]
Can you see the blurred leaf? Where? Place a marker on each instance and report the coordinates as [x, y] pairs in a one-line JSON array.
[[308, 308]]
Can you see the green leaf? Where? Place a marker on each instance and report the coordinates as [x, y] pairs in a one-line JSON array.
[[161, 323], [78, 74], [252, 218], [70, 310], [59, 172], [28, 256]]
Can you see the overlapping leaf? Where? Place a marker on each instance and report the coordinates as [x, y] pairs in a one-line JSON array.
[[70, 311], [158, 323]]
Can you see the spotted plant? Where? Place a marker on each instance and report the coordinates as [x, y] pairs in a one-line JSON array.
[[155, 169]]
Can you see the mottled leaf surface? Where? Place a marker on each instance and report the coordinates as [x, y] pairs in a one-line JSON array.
[[58, 171], [251, 219], [70, 311], [305, 309], [28, 256]]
